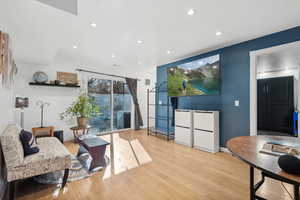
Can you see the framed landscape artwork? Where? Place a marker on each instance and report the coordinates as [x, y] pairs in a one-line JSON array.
[[199, 77]]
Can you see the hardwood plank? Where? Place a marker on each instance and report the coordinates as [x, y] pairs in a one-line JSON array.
[[149, 168]]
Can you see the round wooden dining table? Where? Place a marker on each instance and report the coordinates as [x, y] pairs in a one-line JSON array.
[[247, 149]]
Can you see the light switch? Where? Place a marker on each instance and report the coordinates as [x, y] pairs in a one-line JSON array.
[[237, 103]]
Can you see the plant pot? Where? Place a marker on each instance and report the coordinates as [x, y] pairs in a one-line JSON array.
[[82, 121]]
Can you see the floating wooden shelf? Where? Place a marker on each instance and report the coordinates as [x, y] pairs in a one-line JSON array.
[[53, 85]]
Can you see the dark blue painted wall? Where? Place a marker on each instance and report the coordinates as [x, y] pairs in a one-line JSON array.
[[235, 83]]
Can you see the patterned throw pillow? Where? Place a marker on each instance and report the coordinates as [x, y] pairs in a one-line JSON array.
[[29, 143]]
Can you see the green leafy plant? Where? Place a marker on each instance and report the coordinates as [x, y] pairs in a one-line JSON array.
[[84, 107]]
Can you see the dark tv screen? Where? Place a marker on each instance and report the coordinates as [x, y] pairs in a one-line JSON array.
[[199, 77]]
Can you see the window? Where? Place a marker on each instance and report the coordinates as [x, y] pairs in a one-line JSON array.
[[114, 100]]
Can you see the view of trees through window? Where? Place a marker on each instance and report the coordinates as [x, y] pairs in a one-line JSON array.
[[114, 100]]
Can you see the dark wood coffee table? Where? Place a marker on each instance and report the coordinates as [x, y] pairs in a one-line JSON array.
[[96, 147]]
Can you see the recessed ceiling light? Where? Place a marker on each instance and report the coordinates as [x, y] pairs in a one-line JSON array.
[[139, 41], [75, 47], [139, 62], [168, 52], [113, 55], [218, 33], [191, 12], [93, 24]]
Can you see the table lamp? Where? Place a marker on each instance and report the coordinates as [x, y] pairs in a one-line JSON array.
[[42, 104], [22, 102]]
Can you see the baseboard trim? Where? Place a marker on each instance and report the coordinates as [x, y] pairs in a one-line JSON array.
[[183, 144], [225, 150]]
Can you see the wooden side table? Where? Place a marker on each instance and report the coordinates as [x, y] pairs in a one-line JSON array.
[[96, 147], [43, 131], [80, 130]]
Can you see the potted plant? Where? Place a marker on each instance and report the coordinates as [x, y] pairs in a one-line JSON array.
[[83, 108]]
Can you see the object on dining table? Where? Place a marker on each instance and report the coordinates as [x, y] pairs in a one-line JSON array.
[[289, 164]]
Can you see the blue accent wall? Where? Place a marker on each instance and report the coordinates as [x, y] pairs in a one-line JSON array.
[[235, 83]]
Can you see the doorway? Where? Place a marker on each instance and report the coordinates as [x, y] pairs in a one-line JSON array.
[[275, 63], [115, 102]]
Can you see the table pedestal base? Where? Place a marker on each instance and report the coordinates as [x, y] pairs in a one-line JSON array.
[[255, 187], [97, 158]]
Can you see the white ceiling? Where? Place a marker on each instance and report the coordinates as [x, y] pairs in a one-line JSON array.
[[46, 35], [284, 59], [70, 6]]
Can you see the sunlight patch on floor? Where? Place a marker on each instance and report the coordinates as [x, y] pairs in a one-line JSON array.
[[124, 158], [141, 154], [108, 169], [124, 155]]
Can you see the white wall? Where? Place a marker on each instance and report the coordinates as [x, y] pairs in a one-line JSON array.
[[60, 98], [281, 73], [6, 107], [142, 91]]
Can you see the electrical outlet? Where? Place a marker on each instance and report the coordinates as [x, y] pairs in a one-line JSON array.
[[236, 103]]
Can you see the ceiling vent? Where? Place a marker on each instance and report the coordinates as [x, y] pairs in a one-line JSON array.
[[70, 6]]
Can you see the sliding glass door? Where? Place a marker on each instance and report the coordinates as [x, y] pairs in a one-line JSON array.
[[114, 101], [121, 106], [101, 90]]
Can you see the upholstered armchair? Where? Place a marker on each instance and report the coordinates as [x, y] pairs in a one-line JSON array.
[[53, 156]]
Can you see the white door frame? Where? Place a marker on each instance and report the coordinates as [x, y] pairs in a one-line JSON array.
[[253, 81]]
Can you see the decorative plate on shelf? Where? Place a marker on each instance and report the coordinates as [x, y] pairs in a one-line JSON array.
[[40, 77]]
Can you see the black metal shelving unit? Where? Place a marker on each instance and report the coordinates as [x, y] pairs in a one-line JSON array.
[[168, 134]]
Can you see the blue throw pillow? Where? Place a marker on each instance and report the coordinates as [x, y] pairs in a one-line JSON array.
[[29, 143]]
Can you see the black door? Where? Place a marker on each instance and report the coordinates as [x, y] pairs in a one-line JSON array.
[[261, 105], [275, 99]]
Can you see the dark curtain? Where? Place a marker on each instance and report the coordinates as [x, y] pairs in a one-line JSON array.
[[174, 103], [132, 86]]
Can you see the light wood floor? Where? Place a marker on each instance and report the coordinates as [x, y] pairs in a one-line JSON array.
[[149, 168]]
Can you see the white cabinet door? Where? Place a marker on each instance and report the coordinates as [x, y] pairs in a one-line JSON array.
[[204, 140], [204, 121], [183, 136], [183, 118]]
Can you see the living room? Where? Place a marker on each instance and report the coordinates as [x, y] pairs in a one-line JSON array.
[[149, 99]]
